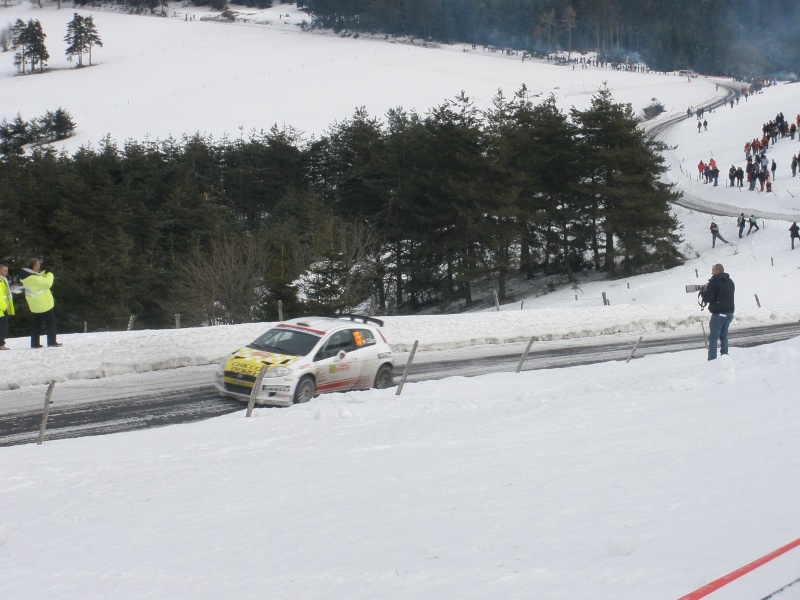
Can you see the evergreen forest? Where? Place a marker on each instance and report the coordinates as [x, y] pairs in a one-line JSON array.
[[717, 37], [391, 214]]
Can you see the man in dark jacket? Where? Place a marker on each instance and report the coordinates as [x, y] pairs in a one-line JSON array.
[[718, 293]]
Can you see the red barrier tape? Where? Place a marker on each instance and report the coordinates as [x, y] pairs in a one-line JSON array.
[[715, 585]]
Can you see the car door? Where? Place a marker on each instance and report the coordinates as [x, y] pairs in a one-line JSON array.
[[367, 354], [337, 363]]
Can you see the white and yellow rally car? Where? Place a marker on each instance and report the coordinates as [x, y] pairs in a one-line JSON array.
[[309, 356]]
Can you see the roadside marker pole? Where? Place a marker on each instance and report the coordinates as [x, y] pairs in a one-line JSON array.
[[524, 356], [635, 346], [47, 402], [254, 392], [408, 367]]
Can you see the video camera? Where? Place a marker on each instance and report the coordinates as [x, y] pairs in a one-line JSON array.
[[693, 288]]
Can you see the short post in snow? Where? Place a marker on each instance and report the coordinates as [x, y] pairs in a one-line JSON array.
[[85, 327], [576, 297], [635, 346], [524, 356], [280, 310], [408, 367], [496, 301], [521, 304], [629, 285], [705, 337], [177, 320], [130, 322], [47, 402], [757, 300], [696, 273], [772, 260], [605, 300], [254, 392]]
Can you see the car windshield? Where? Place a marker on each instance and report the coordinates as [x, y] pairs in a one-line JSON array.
[[286, 341]]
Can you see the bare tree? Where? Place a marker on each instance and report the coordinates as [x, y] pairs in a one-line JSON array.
[[223, 285], [548, 18], [343, 267], [5, 38], [569, 22]]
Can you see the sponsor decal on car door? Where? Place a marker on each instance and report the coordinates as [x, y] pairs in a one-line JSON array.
[[337, 365]]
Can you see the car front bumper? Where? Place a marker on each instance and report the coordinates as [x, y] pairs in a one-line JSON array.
[[272, 392]]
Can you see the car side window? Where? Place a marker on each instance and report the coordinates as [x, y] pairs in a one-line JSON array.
[[341, 340], [364, 338]]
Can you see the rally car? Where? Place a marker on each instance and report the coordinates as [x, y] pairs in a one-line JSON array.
[[305, 357]]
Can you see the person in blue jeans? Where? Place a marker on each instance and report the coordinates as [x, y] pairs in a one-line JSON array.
[[718, 294]]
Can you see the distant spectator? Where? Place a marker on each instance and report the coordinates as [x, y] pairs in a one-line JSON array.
[[772, 168], [794, 165], [753, 224], [714, 229], [794, 233]]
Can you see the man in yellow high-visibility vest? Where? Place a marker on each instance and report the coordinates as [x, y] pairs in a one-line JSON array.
[[37, 284], [6, 305]]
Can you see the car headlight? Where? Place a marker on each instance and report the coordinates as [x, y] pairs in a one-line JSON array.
[[277, 372]]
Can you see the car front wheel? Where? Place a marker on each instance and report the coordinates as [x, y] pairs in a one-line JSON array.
[[305, 391], [384, 378]]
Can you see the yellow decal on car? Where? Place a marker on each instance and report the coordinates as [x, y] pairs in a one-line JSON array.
[[248, 361]]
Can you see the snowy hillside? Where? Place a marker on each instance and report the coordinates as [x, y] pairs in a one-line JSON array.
[[616, 481]]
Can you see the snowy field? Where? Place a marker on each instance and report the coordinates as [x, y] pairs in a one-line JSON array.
[[632, 481]]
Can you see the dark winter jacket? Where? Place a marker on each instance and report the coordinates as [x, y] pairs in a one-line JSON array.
[[719, 294]]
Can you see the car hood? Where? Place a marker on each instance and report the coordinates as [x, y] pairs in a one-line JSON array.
[[249, 361]]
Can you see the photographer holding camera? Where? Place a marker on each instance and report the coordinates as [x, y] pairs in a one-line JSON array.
[[718, 294], [37, 284]]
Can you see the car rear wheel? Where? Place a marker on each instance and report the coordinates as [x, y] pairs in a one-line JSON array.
[[384, 378], [305, 391]]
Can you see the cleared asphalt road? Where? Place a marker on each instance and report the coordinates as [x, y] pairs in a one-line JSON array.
[[97, 407]]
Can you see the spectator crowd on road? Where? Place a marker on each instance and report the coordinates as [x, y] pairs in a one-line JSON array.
[[759, 170]]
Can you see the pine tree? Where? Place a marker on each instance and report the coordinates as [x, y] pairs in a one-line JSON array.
[[76, 38], [20, 40], [92, 38], [621, 182], [63, 125], [37, 50], [81, 38]]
